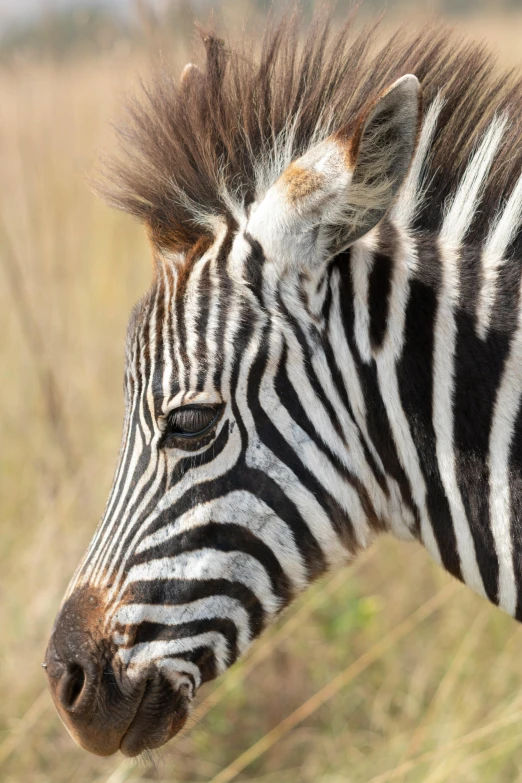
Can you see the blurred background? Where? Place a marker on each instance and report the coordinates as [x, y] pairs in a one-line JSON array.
[[388, 671]]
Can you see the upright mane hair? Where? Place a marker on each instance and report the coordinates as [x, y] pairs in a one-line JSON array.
[[192, 152]]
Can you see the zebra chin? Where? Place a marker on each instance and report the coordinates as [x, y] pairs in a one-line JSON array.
[[105, 705]]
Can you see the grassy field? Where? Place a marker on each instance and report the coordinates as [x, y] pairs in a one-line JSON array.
[[387, 672]]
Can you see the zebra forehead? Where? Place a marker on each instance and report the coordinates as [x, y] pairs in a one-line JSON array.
[[191, 292]]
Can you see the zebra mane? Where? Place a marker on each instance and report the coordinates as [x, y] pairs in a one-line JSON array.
[[193, 150]]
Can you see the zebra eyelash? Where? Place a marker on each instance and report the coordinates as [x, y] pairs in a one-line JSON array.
[[177, 432]]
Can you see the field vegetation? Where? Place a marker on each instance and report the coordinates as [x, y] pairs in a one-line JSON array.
[[388, 671]]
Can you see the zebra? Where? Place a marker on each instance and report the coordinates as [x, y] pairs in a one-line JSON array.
[[331, 348]]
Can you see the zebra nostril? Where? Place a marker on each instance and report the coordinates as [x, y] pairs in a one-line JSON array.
[[72, 685]]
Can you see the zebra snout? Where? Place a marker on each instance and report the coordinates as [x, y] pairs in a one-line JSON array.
[[105, 707], [95, 704]]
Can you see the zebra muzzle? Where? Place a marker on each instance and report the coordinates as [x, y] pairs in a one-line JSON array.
[[103, 707]]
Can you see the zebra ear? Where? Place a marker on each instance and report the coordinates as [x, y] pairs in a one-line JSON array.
[[191, 78], [342, 187]]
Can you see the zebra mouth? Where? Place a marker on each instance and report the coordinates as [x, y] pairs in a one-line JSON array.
[[160, 714]]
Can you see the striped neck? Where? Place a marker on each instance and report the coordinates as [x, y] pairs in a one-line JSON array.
[[434, 333]]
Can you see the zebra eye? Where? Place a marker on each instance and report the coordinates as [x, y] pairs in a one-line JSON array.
[[190, 422]]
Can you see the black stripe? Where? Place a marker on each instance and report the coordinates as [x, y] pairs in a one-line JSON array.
[[253, 269], [102, 545], [194, 461], [124, 535], [515, 489], [334, 359], [261, 486], [415, 376], [203, 658], [275, 442], [224, 537], [478, 368], [224, 293], [154, 632], [174, 592], [379, 287]]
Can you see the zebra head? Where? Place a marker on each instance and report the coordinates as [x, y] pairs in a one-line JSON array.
[[245, 470]]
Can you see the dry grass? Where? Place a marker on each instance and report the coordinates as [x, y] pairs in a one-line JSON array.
[[389, 672]]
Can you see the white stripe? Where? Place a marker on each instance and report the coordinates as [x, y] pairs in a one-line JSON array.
[[147, 339], [171, 668], [121, 544], [147, 652], [244, 509], [174, 669], [155, 467], [401, 519], [502, 233], [346, 364], [462, 210], [457, 221], [443, 390], [502, 431], [104, 528], [109, 523], [179, 368], [105, 546], [193, 298], [204, 564], [209, 608], [317, 462], [361, 266], [213, 320]]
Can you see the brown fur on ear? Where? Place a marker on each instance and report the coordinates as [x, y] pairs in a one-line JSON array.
[[300, 183], [183, 161]]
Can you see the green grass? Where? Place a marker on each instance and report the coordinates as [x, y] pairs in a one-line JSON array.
[[438, 699]]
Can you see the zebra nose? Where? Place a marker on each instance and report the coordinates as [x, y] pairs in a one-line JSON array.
[[72, 685], [71, 675], [79, 667], [69, 681], [81, 682]]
